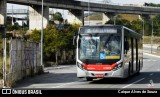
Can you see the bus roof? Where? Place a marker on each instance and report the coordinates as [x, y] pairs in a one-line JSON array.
[[134, 33]]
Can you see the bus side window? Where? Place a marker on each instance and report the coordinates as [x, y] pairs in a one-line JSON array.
[[126, 45]]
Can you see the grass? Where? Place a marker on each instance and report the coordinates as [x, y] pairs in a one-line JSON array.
[[157, 54], [156, 40], [129, 17], [94, 17], [1, 67]]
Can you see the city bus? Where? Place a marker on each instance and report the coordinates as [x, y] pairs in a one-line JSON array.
[[108, 51]]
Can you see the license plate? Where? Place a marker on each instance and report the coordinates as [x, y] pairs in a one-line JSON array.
[[99, 75]]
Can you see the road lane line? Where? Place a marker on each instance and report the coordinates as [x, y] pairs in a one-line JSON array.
[[151, 74], [133, 83], [67, 84]]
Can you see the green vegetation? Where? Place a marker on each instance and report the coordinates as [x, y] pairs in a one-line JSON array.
[[137, 24], [55, 40], [147, 40], [57, 16], [129, 17], [152, 4]]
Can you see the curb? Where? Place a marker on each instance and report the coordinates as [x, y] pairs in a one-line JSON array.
[[56, 67], [152, 55]]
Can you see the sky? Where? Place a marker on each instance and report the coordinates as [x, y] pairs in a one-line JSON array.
[[120, 2]]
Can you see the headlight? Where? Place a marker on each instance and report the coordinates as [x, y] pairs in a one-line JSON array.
[[81, 66], [117, 67]]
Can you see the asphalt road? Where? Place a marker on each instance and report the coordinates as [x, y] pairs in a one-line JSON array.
[[64, 77]]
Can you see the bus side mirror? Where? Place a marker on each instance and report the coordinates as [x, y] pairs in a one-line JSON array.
[[75, 38], [79, 42], [126, 46]]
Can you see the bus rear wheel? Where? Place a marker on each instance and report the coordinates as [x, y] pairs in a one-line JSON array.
[[138, 71], [129, 70], [89, 78]]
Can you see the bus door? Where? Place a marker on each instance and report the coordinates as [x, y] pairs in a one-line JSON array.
[[135, 55], [132, 55], [136, 44]]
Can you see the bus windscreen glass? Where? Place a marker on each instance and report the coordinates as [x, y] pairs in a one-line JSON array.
[[100, 46]]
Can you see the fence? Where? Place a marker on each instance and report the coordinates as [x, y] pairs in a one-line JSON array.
[[24, 60], [1, 56]]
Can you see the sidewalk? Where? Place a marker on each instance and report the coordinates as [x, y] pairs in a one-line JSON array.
[[155, 49], [154, 46], [57, 67]]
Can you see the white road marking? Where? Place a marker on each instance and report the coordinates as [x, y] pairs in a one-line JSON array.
[[152, 55], [133, 83], [151, 74], [67, 84]]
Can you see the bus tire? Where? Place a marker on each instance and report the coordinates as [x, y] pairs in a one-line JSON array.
[[129, 70], [89, 78]]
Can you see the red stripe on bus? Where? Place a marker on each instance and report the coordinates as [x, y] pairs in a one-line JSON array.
[[104, 67]]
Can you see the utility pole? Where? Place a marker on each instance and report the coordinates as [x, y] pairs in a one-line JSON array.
[[152, 37], [143, 29], [12, 15], [115, 19], [42, 38], [88, 12]]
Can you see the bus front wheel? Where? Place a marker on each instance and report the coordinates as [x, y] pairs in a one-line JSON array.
[[89, 78]]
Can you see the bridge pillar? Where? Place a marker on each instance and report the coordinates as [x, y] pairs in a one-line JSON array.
[[76, 17], [145, 16], [35, 17], [107, 16]]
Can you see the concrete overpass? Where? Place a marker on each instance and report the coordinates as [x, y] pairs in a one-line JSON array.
[[76, 9], [71, 4]]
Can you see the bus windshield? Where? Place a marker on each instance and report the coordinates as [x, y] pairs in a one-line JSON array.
[[100, 46]]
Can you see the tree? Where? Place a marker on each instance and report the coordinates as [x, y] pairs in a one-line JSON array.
[[156, 25], [58, 16], [55, 40], [120, 21], [137, 25]]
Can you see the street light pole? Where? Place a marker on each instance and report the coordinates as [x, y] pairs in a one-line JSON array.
[[115, 20], [88, 12], [12, 15], [143, 30], [42, 38], [152, 37]]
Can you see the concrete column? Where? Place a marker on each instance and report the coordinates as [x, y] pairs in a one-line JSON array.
[[145, 16], [76, 16], [104, 18], [35, 17], [107, 16]]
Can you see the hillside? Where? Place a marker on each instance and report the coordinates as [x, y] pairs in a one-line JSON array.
[[129, 17], [97, 16]]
